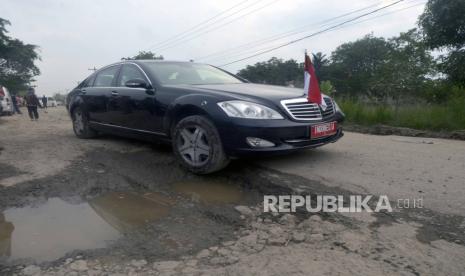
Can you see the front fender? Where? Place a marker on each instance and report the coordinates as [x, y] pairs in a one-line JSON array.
[[193, 104]]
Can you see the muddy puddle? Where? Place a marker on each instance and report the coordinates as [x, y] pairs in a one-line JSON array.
[[126, 222], [50, 230], [214, 191]]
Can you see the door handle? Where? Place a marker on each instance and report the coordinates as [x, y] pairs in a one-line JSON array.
[[114, 93], [83, 91]]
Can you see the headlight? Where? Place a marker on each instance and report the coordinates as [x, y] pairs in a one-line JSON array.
[[248, 110], [338, 109]]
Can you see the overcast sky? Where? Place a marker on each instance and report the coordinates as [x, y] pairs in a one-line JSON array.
[[74, 36]]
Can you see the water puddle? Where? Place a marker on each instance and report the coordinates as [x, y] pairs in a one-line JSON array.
[[212, 191], [48, 229], [53, 228], [125, 211]]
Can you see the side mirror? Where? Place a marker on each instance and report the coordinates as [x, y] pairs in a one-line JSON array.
[[136, 83]]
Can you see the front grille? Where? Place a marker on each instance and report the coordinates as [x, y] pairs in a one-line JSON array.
[[329, 108], [301, 109]]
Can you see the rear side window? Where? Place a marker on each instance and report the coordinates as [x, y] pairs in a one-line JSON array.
[[130, 72], [105, 77]]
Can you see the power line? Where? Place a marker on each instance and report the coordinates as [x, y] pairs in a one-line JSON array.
[[249, 49], [198, 25], [284, 34], [174, 41], [216, 27], [220, 26], [314, 34], [384, 14]]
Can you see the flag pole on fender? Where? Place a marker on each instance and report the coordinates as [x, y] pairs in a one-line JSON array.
[[311, 86]]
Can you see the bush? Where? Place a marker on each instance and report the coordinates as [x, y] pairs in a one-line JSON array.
[[448, 116], [327, 88], [442, 92]]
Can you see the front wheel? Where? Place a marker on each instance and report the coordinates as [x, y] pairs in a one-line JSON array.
[[81, 124], [198, 146]]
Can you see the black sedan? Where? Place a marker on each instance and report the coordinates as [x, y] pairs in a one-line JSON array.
[[209, 115]]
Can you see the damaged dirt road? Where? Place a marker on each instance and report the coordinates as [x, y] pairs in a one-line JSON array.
[[112, 206]]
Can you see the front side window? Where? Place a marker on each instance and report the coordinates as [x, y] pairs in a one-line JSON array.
[[189, 73], [130, 72], [105, 77], [89, 81]]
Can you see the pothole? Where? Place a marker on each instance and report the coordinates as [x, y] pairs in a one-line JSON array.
[[50, 230], [218, 190], [127, 211], [83, 211]]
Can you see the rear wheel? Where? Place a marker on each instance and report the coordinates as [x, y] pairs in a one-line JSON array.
[[198, 146], [81, 124]]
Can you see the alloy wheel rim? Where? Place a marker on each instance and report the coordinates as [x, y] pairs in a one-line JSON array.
[[193, 145]]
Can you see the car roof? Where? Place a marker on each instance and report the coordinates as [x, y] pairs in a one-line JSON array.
[[145, 61], [162, 61]]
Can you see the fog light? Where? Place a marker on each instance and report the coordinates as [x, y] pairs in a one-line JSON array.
[[259, 143]]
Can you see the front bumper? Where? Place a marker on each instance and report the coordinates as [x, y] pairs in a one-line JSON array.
[[287, 135]]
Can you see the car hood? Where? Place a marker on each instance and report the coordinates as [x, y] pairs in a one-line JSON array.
[[246, 91], [269, 92]]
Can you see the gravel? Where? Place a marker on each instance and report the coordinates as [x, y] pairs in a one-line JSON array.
[[423, 242]]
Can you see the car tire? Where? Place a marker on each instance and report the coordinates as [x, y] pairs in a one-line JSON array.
[[197, 145], [81, 124]]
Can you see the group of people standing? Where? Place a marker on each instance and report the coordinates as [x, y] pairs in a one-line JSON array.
[[32, 102]]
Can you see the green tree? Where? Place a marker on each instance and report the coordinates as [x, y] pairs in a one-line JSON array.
[[17, 68], [144, 55], [320, 63], [274, 71], [443, 23], [443, 26], [358, 67], [409, 66], [381, 69], [454, 66]]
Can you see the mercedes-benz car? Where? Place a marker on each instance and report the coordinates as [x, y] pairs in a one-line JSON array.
[[210, 116]]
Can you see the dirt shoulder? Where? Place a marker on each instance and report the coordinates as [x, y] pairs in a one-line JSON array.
[[403, 131]]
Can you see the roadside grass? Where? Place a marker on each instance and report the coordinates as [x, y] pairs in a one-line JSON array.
[[436, 117]]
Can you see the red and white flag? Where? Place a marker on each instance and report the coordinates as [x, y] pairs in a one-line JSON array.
[[311, 86]]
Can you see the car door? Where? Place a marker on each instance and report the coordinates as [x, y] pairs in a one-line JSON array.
[[137, 106], [97, 95]]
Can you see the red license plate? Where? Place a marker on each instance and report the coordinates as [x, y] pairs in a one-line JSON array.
[[322, 130]]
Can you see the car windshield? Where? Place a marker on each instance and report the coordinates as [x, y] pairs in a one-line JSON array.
[[189, 73]]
